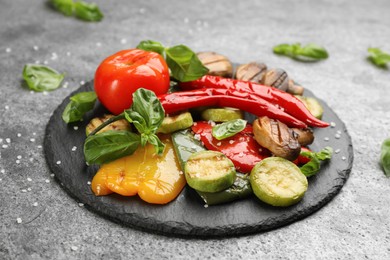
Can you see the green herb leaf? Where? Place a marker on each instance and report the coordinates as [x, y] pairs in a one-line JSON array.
[[150, 45], [228, 129], [378, 57], [111, 145], [41, 78], [65, 7], [87, 11], [147, 114], [314, 165], [310, 52], [79, 104], [184, 64], [385, 157]]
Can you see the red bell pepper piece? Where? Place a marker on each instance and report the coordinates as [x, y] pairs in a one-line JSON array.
[[242, 149], [301, 160], [286, 101], [178, 101]]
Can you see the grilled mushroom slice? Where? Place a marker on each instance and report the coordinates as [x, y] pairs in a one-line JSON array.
[[305, 136], [294, 88], [251, 72], [117, 125], [276, 137], [218, 65], [276, 78]]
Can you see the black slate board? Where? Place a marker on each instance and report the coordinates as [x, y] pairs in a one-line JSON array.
[[187, 215]]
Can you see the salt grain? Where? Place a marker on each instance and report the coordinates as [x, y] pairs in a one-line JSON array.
[[47, 181], [29, 179], [2, 171], [17, 161], [29, 189], [98, 44], [75, 127], [123, 41], [8, 50], [74, 248], [24, 190], [45, 62], [343, 158], [19, 157], [45, 93], [88, 183], [19, 220], [219, 144], [326, 139], [74, 148], [206, 206], [81, 204], [35, 48], [6, 107], [142, 10], [52, 175], [19, 135], [4, 146], [68, 53], [39, 146], [31, 159], [231, 141], [337, 136], [8, 140], [35, 204], [32, 140], [332, 124], [82, 82], [37, 61], [58, 162]]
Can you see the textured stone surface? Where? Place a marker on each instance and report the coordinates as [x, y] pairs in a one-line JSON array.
[[354, 225]]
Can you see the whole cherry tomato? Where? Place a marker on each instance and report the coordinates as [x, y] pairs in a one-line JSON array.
[[119, 75]]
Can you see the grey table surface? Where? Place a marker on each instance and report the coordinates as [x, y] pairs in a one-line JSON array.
[[354, 225]]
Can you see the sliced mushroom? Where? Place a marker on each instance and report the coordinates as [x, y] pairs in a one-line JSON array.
[[305, 136], [251, 72], [294, 88], [122, 124], [218, 65], [276, 137], [276, 78]]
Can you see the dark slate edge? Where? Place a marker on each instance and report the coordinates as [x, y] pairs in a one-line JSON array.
[[179, 229]]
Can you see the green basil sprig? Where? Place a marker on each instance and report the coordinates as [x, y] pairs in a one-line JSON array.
[[41, 78], [182, 61], [314, 165], [146, 113], [79, 104], [84, 11], [110, 145], [378, 57], [228, 129], [385, 157], [309, 52]]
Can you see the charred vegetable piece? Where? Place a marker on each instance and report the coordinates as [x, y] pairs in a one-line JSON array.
[[222, 114], [305, 136], [241, 148], [294, 88], [185, 145], [240, 189], [209, 171], [278, 182], [156, 179], [218, 65], [276, 137], [117, 125], [172, 124], [312, 105], [276, 78], [251, 72]]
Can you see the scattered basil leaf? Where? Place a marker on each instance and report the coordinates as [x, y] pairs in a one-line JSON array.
[[147, 114], [184, 64], [110, 145], [385, 157], [87, 11], [310, 52], [79, 104], [150, 45], [228, 129], [41, 78], [378, 57], [65, 7], [314, 165]]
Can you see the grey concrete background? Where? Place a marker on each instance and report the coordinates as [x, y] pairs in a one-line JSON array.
[[354, 225]]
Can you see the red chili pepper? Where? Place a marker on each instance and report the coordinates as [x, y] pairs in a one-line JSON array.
[[242, 149], [183, 100], [286, 101]]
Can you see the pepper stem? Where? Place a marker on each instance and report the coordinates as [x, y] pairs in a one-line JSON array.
[[106, 123]]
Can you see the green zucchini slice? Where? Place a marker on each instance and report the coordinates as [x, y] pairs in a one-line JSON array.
[[222, 114]]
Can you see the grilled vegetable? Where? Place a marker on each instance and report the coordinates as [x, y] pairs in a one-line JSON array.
[[122, 124], [222, 114], [172, 124], [217, 64]]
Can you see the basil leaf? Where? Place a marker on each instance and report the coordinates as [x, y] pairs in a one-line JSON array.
[[228, 129], [79, 104], [147, 114], [385, 157], [378, 57], [310, 52], [65, 7], [108, 146], [41, 78], [314, 165], [87, 11], [184, 64], [150, 45]]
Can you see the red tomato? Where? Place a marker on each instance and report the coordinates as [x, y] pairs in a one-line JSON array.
[[242, 148], [119, 75]]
